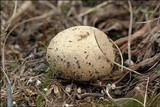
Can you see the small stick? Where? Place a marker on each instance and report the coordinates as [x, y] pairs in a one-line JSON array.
[[140, 33], [130, 32], [13, 15], [94, 8], [82, 96], [120, 53], [18, 12], [108, 87], [145, 96], [114, 61]]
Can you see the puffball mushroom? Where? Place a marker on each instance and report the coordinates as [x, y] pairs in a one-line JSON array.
[[74, 54]]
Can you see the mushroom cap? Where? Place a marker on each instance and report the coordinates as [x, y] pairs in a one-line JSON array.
[[74, 54]]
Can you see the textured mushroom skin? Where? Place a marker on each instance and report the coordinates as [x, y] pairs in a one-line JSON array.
[[74, 54]]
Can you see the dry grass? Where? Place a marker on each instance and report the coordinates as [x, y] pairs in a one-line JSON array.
[[28, 26]]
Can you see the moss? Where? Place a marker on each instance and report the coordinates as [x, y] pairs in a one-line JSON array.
[[47, 80], [40, 101]]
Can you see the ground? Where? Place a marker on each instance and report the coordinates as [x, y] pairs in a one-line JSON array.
[[27, 27]]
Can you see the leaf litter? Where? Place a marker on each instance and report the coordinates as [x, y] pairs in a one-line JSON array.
[[33, 84]]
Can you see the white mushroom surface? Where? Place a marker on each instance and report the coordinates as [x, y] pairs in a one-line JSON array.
[[74, 54]]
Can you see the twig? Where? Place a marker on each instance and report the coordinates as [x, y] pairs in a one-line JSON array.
[[108, 87], [146, 62], [155, 19], [94, 21], [9, 95], [8, 83], [153, 12], [120, 53], [82, 96], [6, 76], [153, 100], [8, 90], [23, 8], [139, 34], [3, 46], [148, 23], [130, 32], [25, 21], [51, 6], [93, 9], [13, 15], [114, 100], [114, 61], [157, 7], [155, 64], [145, 96]]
